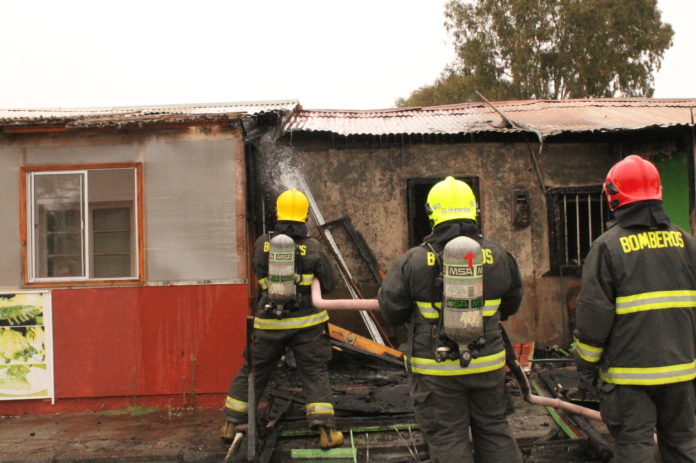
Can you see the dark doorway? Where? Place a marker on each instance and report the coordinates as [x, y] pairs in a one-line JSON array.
[[417, 193]]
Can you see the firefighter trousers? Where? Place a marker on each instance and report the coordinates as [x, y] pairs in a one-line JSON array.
[[447, 406], [312, 351], [634, 413]]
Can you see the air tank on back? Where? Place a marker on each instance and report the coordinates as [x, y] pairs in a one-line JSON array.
[[281, 270], [462, 303]]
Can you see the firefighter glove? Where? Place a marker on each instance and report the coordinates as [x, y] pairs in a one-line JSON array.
[[588, 379]]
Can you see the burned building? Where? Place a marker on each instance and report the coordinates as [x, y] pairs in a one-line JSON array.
[[536, 166], [138, 221]]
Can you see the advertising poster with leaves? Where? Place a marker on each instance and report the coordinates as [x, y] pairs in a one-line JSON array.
[[26, 348]]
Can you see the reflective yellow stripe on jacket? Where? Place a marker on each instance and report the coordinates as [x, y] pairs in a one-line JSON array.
[[306, 279], [491, 307], [589, 353], [291, 323], [650, 376], [655, 300], [236, 405], [425, 366], [429, 310]]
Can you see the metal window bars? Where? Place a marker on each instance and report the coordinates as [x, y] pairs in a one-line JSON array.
[[582, 219]]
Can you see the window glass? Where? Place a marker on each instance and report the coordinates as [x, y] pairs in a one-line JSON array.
[[83, 224], [112, 246], [58, 240], [111, 205]]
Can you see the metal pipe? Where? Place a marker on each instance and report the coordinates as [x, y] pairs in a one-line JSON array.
[[340, 304], [566, 246], [516, 125], [692, 192], [577, 228], [536, 161], [589, 220], [251, 392]]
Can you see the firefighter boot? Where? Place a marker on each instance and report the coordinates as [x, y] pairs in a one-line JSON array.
[[228, 431], [329, 438]]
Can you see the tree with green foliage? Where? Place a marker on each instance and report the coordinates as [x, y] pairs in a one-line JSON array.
[[549, 49]]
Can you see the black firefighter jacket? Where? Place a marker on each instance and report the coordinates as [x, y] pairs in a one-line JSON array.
[[636, 311], [410, 293], [311, 262]]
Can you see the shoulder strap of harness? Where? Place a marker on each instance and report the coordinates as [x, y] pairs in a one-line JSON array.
[[409, 344], [437, 284]]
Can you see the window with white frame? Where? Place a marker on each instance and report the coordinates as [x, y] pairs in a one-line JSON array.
[[82, 224]]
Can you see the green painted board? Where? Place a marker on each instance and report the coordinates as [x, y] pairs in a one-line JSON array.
[[307, 432], [674, 174], [323, 454], [328, 460]]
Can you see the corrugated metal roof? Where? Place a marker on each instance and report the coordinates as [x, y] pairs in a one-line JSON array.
[[134, 114], [546, 117]]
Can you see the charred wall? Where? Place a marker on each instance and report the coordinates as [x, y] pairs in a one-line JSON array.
[[367, 181]]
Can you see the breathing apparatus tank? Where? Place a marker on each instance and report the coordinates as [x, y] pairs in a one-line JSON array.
[[281, 273], [461, 320]]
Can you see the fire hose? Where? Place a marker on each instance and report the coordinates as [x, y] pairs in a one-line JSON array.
[[514, 366], [510, 357], [340, 304]]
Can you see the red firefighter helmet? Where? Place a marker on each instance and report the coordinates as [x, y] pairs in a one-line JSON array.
[[632, 179]]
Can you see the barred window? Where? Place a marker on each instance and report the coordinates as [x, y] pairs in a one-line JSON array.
[[577, 216]]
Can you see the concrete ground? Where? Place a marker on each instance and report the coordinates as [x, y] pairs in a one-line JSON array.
[[370, 397], [191, 435], [128, 436]]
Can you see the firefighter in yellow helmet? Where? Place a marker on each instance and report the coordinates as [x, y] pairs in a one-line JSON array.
[[294, 325], [636, 321], [449, 395]]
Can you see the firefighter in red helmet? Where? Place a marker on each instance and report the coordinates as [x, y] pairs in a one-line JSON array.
[[636, 321]]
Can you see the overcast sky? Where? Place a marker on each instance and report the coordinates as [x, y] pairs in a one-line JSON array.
[[331, 54]]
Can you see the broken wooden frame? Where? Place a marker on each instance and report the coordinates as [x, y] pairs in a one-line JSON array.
[[367, 318], [352, 341], [362, 246]]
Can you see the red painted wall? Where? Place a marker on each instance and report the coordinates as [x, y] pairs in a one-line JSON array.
[[149, 345]]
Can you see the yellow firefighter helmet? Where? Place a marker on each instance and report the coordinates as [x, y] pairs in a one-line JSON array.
[[292, 205], [450, 199]]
